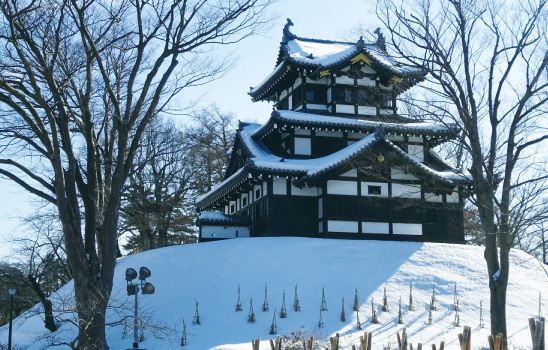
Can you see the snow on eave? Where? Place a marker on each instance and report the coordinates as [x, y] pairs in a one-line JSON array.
[[219, 217], [209, 196], [451, 176], [257, 90], [336, 121]]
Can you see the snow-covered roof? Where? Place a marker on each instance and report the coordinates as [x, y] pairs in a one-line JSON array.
[[262, 160], [317, 55], [309, 119]]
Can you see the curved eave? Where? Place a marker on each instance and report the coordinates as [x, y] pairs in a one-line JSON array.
[[236, 179], [351, 124]]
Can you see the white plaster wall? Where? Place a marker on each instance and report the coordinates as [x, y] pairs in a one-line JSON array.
[[342, 226], [407, 229], [432, 197], [366, 110], [279, 186], [452, 198], [347, 188], [351, 173], [406, 191], [376, 227], [303, 146], [416, 151], [344, 80], [224, 231], [398, 174], [348, 109], [316, 106]]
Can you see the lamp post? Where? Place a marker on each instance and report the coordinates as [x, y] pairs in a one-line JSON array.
[[12, 292], [133, 289]]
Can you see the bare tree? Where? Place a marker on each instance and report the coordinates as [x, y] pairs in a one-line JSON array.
[[157, 208], [487, 65], [79, 82]]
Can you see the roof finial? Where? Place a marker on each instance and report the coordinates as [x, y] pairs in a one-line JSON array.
[[287, 33], [381, 43], [360, 43]]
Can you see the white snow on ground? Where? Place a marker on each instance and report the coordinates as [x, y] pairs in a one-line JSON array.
[[210, 273]]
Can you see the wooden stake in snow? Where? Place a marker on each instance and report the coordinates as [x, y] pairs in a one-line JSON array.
[[334, 341], [496, 342], [384, 301], [251, 315], [343, 315], [265, 302], [537, 333], [183, 338], [296, 305], [273, 326], [442, 346], [276, 344], [411, 307], [402, 342], [356, 304], [255, 344], [238, 303], [324, 303], [283, 311], [366, 341], [196, 319], [465, 338]]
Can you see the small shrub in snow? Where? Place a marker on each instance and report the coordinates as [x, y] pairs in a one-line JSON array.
[[296, 305], [283, 311], [324, 303], [196, 319], [373, 313], [384, 301], [433, 300], [400, 318], [265, 302], [411, 306], [320, 322], [238, 303], [273, 326], [251, 315]]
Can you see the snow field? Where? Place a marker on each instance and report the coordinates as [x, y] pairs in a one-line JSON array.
[[210, 273]]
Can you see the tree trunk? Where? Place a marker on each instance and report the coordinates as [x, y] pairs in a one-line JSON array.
[[91, 305]]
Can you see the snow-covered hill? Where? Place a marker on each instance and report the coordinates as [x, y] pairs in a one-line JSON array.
[[210, 273]]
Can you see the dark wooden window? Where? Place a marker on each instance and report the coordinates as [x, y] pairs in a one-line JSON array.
[[257, 193], [374, 190], [360, 96], [386, 101], [232, 208], [309, 94], [244, 201], [348, 95]]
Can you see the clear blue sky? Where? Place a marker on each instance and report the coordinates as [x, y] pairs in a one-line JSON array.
[[256, 58]]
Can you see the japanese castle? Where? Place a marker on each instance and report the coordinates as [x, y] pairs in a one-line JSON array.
[[335, 159]]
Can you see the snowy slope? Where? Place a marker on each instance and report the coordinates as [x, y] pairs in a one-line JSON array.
[[211, 272]]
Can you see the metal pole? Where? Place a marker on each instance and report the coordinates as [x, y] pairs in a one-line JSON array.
[[11, 318], [135, 327]]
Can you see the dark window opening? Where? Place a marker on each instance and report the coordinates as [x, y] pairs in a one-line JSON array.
[[374, 190], [257, 193], [309, 94], [347, 95], [360, 96], [232, 208], [386, 101], [283, 104], [244, 201]]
